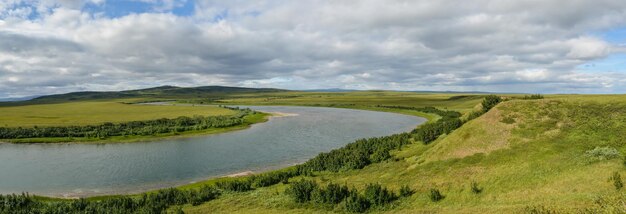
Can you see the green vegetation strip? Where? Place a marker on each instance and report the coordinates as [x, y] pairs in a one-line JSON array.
[[129, 129]]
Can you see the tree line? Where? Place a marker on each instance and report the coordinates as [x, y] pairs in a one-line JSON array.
[[155, 203], [132, 128]]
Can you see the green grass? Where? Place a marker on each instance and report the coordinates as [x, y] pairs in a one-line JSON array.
[[362, 99], [96, 112], [537, 161]]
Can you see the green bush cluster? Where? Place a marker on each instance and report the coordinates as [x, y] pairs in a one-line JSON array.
[[533, 97], [132, 128], [301, 190], [274, 177], [429, 132], [355, 155], [428, 109], [435, 195], [356, 203], [490, 101], [332, 194], [374, 195], [147, 203]]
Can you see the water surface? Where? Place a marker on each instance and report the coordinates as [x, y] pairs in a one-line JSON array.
[[98, 169]]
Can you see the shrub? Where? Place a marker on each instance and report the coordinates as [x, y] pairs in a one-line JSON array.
[[617, 180], [206, 193], [378, 195], [356, 203], [475, 188], [271, 178], [490, 101], [405, 191], [533, 97], [332, 194], [508, 120], [602, 153], [435, 195], [301, 190]]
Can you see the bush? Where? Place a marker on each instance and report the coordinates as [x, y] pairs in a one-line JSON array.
[[206, 193], [271, 178], [356, 203], [475, 188], [405, 191], [490, 101], [301, 190], [435, 195], [378, 195], [533, 97], [157, 202], [603, 153], [617, 180], [332, 194]]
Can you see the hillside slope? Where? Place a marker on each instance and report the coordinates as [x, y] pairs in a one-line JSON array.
[[526, 155]]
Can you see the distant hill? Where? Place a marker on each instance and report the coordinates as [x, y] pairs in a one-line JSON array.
[[15, 99], [161, 92], [330, 90]]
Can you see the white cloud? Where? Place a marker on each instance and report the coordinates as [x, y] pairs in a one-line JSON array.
[[588, 48], [491, 45]]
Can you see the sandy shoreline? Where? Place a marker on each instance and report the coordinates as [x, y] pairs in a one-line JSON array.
[[240, 174], [282, 114]]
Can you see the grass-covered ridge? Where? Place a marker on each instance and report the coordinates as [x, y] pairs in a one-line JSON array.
[[524, 156]]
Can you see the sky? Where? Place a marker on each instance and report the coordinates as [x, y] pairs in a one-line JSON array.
[[524, 46]]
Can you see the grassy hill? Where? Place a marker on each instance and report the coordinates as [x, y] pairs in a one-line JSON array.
[[162, 92], [527, 156]]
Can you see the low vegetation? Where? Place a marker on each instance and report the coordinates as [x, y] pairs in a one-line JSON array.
[[374, 195], [156, 202]]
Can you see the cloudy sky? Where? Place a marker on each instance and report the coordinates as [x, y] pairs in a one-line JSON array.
[[545, 46]]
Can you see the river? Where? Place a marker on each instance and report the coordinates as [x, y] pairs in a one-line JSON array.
[[79, 170]]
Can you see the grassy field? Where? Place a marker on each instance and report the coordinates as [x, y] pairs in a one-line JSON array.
[[248, 121], [101, 111], [527, 155], [96, 112], [459, 102]]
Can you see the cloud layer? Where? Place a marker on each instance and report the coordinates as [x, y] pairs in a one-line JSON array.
[[51, 46]]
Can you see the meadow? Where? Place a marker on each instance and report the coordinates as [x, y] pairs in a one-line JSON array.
[[96, 112]]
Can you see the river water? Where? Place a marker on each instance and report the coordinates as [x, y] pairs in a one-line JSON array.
[[70, 170]]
